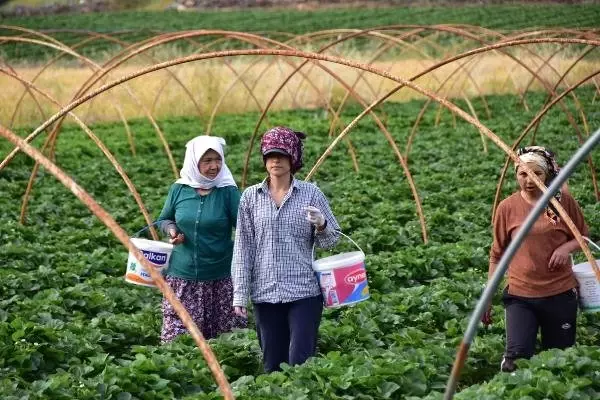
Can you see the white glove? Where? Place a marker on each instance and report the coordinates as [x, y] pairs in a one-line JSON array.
[[315, 216]]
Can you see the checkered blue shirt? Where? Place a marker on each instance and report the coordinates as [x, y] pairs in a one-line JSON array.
[[272, 255]]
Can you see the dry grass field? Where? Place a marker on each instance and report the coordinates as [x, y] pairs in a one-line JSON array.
[[214, 84]]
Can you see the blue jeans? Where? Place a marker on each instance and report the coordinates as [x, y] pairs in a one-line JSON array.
[[287, 332]]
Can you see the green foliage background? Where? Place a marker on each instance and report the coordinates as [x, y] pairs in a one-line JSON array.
[[70, 327]]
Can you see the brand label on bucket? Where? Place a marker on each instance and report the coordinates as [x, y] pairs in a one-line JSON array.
[[137, 274], [344, 285], [356, 277], [154, 257], [589, 292]]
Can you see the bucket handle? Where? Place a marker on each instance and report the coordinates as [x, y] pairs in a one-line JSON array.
[[146, 227], [347, 237], [591, 242]]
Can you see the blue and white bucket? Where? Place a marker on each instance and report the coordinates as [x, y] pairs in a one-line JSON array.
[[157, 253]]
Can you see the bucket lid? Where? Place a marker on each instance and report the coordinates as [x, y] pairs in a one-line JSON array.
[[339, 260], [146, 244]]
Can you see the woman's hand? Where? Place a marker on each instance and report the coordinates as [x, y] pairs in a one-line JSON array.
[[240, 311], [315, 217], [560, 258], [486, 318], [175, 238]]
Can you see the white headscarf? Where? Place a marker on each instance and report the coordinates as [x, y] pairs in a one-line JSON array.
[[194, 150]]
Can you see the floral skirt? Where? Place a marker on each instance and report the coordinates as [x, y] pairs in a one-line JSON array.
[[209, 304]]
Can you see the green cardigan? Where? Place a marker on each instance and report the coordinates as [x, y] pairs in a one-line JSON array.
[[207, 223]]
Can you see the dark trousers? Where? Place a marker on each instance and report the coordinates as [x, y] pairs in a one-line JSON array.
[[556, 316], [287, 332]]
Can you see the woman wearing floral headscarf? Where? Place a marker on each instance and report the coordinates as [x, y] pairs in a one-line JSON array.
[[279, 220], [542, 290], [199, 215]]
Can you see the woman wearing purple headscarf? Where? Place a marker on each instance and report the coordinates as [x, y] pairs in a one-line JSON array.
[[279, 220]]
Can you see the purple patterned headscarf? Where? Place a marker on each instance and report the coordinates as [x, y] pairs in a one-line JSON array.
[[283, 138]]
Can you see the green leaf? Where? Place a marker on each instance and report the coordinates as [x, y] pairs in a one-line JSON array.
[[388, 388]]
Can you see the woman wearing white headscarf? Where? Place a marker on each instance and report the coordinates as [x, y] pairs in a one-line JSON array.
[[542, 291], [199, 215]]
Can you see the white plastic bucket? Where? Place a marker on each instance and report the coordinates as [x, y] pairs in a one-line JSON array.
[[157, 253], [589, 288], [342, 278]]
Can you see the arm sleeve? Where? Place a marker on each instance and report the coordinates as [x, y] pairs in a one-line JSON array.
[[329, 236], [572, 208], [244, 251], [167, 215], [500, 231]]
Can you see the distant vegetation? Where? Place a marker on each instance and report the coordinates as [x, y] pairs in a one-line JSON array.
[[498, 17], [294, 21]]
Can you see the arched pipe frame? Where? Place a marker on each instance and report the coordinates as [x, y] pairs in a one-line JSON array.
[[465, 32], [315, 58], [321, 57], [100, 145], [446, 61]]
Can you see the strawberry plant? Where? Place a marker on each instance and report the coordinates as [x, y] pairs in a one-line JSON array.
[[71, 327]]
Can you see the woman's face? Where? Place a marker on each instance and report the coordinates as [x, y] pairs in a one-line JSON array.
[[526, 184], [210, 164], [278, 165]]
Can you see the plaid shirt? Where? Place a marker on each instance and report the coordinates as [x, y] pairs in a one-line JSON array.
[[272, 255]]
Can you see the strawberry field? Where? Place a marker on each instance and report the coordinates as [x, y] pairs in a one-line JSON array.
[[414, 183], [72, 328]]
